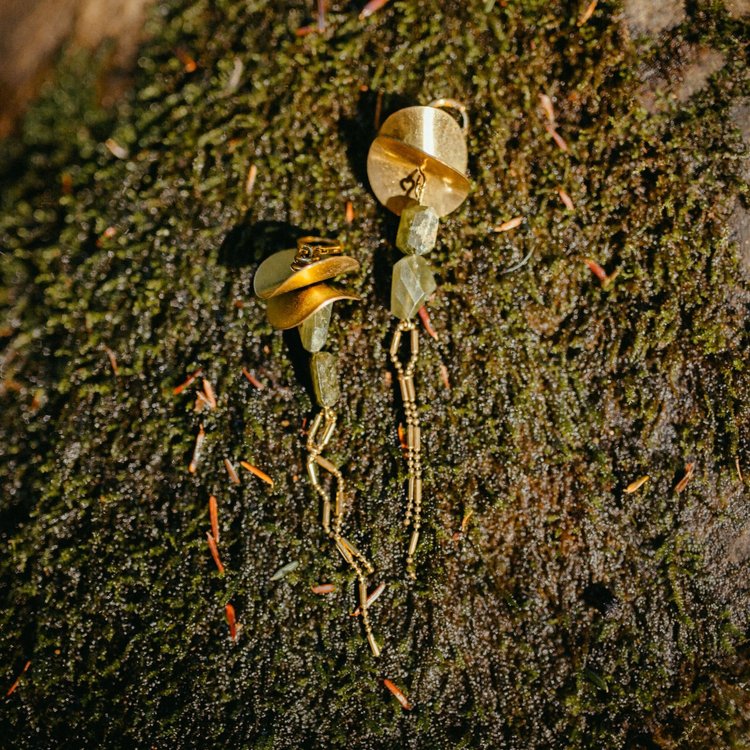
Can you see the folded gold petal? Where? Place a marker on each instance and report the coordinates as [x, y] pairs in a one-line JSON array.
[[291, 309], [275, 275]]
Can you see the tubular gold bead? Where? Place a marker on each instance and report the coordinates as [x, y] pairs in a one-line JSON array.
[[362, 594], [414, 342], [328, 429], [314, 427], [413, 439], [411, 391], [395, 342], [413, 543], [327, 465], [344, 551], [312, 471], [373, 644], [417, 490], [326, 515]]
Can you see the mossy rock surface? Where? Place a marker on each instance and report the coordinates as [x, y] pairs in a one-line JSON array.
[[569, 613]]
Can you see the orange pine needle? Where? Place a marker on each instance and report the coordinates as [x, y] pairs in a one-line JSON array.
[[349, 216], [258, 473], [372, 7], [12, 688], [252, 173], [187, 61], [596, 269], [634, 486], [210, 395], [324, 588], [566, 199], [370, 599], [688, 476], [200, 402], [200, 437], [549, 110], [556, 137], [213, 512], [190, 378], [424, 316], [232, 621], [112, 360], [588, 12], [402, 699], [252, 379], [402, 437], [214, 552], [444, 376], [233, 476], [506, 226]]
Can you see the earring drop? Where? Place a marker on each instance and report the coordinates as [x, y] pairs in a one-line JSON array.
[[417, 169], [293, 282]]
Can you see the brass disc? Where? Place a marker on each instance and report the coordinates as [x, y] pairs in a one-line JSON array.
[[291, 309], [275, 275], [423, 138]]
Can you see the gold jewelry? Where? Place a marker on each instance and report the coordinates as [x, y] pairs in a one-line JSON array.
[[417, 169], [293, 283]]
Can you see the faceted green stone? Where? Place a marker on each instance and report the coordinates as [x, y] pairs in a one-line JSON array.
[[417, 230], [313, 331], [325, 378], [412, 285]]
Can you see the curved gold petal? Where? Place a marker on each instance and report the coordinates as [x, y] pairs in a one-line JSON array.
[[275, 274], [293, 308]]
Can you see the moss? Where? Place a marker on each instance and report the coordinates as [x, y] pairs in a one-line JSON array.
[[561, 393]]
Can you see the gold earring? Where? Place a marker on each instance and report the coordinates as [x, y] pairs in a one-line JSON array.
[[417, 168], [293, 282]]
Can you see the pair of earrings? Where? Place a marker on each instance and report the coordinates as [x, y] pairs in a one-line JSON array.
[[417, 169]]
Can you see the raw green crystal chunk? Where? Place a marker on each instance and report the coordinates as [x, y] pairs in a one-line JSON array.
[[313, 331], [417, 230], [325, 378], [411, 287]]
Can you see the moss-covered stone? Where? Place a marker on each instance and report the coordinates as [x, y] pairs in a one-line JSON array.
[[129, 240]]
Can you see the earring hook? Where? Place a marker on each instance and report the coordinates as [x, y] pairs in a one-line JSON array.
[[455, 105]]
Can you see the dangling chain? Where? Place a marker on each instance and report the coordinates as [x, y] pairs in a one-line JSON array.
[[405, 372], [359, 563]]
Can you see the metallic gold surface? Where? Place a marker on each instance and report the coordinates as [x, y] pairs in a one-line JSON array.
[[311, 249], [275, 274], [456, 105], [417, 139], [290, 309]]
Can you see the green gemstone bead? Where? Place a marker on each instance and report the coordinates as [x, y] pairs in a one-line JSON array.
[[417, 230], [313, 331], [412, 285], [325, 378]]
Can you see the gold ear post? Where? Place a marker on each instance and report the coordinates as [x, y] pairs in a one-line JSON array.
[[417, 169]]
